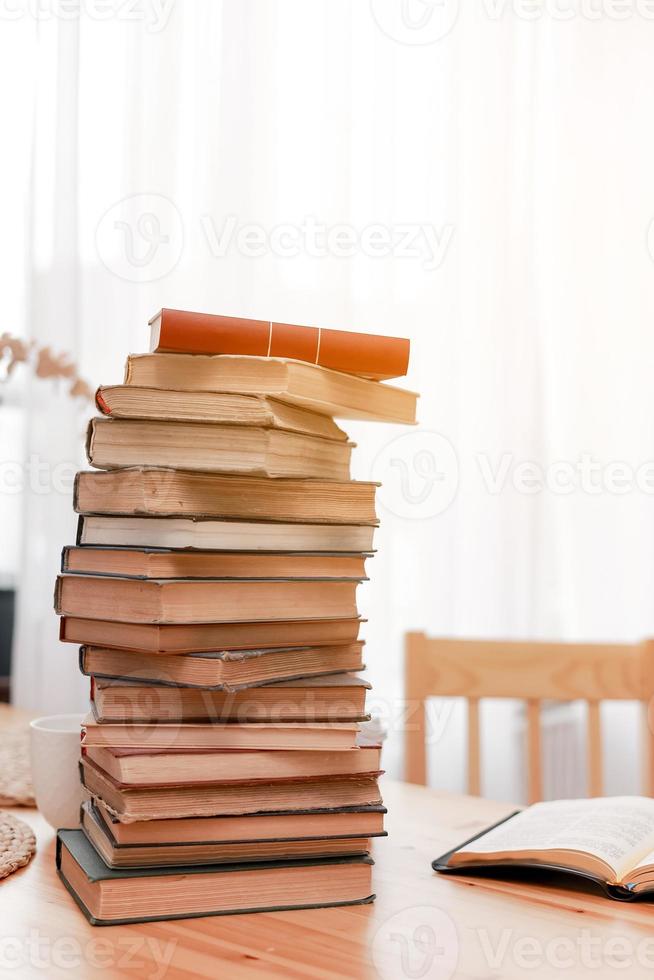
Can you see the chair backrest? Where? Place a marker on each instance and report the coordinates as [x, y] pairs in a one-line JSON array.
[[533, 672]]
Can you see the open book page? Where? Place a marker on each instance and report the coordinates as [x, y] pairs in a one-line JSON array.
[[645, 864], [618, 830]]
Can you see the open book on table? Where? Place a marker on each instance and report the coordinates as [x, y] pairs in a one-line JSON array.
[[609, 840]]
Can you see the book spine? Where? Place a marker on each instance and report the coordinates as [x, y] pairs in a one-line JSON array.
[[101, 404], [76, 484], [57, 595], [90, 433], [368, 355]]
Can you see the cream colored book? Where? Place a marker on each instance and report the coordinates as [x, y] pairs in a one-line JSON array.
[[332, 698], [325, 736], [219, 535], [210, 638], [308, 386], [142, 491], [145, 563], [609, 840], [134, 402], [210, 447], [229, 670], [362, 821], [140, 768], [203, 600], [187, 800], [98, 828]]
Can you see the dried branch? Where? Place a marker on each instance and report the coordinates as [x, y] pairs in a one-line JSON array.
[[45, 364]]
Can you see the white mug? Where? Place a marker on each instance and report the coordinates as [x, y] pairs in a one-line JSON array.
[[55, 751]]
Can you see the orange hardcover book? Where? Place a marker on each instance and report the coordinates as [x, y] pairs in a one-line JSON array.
[[367, 355]]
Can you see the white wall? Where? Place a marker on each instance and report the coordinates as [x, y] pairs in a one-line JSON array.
[[524, 147]]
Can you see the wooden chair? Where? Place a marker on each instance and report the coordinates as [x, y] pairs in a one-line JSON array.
[[533, 672]]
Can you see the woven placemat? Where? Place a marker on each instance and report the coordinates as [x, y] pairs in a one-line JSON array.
[[17, 844], [15, 778]]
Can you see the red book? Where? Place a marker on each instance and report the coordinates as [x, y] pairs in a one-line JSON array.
[[367, 355]]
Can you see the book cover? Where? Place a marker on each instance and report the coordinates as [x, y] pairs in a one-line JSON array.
[[368, 355]]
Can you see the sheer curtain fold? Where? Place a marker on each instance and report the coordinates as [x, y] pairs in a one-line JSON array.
[[504, 169]]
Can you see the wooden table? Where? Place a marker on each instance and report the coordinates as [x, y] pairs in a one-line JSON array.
[[422, 926]]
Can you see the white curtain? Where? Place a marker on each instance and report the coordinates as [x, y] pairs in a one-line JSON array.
[[476, 177]]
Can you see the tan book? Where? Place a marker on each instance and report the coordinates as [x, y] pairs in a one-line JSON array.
[[228, 670], [108, 896], [134, 767], [333, 698], [363, 821], [202, 600], [146, 491], [132, 402], [201, 535], [112, 443], [130, 803], [166, 563], [306, 385], [99, 832], [290, 735], [208, 637]]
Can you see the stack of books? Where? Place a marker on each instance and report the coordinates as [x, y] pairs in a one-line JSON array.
[[212, 591]]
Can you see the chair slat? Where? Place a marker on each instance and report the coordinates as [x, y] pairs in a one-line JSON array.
[[534, 672], [648, 748], [534, 766], [474, 751], [415, 692], [594, 730]]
